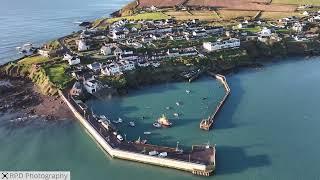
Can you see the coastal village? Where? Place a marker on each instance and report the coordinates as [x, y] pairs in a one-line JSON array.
[[96, 55], [115, 54]]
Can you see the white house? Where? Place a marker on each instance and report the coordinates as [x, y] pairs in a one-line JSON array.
[[230, 43], [199, 33], [111, 69], [82, 46], [117, 51], [143, 64], [91, 86], [44, 53], [298, 27], [72, 60], [126, 65], [265, 32], [118, 35]]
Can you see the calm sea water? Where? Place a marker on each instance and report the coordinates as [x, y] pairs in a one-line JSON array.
[[40, 21], [268, 129]]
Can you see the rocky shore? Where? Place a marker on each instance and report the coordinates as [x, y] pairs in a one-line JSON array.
[[21, 95]]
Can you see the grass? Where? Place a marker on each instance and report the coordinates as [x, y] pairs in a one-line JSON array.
[[201, 15], [143, 16], [278, 15], [228, 14], [57, 74], [298, 2], [252, 29], [33, 60]]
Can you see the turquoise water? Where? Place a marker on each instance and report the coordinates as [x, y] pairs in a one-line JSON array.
[[40, 21], [268, 129]]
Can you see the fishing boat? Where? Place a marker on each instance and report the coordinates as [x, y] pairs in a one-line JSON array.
[[146, 132], [132, 124], [120, 120], [163, 120], [178, 103], [168, 107], [188, 91], [157, 125], [176, 114]]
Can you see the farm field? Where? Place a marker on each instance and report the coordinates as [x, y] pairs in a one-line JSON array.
[[144, 16], [227, 14], [160, 3], [201, 15], [297, 2], [242, 5], [278, 15]]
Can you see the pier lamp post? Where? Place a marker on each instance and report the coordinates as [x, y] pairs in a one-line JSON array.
[[177, 148], [125, 137]]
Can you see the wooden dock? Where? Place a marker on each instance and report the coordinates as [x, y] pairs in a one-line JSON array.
[[206, 124]]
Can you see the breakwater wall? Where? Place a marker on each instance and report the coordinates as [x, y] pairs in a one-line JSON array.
[[115, 151], [206, 124]]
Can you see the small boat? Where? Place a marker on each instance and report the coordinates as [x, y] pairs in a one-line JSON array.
[[204, 98], [146, 132], [115, 121], [188, 91], [168, 107], [157, 125], [163, 120], [132, 124], [176, 114], [120, 120], [178, 103]]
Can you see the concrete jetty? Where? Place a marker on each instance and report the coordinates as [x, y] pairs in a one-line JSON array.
[[206, 124], [200, 160]]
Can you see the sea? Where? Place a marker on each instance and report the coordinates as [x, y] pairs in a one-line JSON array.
[[267, 129]]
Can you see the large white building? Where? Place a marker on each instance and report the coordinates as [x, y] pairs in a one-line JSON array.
[[72, 60], [214, 46]]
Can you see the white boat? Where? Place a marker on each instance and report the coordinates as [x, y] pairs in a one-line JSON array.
[[132, 124], [146, 132], [176, 114], [187, 91], [157, 125], [168, 107], [178, 103], [115, 121], [120, 120], [102, 117]]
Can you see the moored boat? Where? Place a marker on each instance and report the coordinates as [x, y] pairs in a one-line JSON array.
[[132, 124], [163, 120]]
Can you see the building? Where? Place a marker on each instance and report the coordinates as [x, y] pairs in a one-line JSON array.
[[126, 65], [199, 33], [118, 35], [44, 53], [94, 66], [298, 27], [82, 46], [91, 85], [111, 69], [106, 50], [214, 30], [72, 60], [230, 43], [76, 89], [117, 51]]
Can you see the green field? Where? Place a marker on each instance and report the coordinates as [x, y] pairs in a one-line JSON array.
[[298, 2], [33, 60], [57, 74], [278, 15], [201, 15], [143, 16]]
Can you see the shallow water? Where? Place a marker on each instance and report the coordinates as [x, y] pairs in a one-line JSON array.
[[268, 129]]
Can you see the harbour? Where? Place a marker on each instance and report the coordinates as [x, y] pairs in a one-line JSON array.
[[200, 160]]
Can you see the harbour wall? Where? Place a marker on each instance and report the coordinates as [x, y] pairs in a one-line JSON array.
[[199, 169], [207, 124]]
